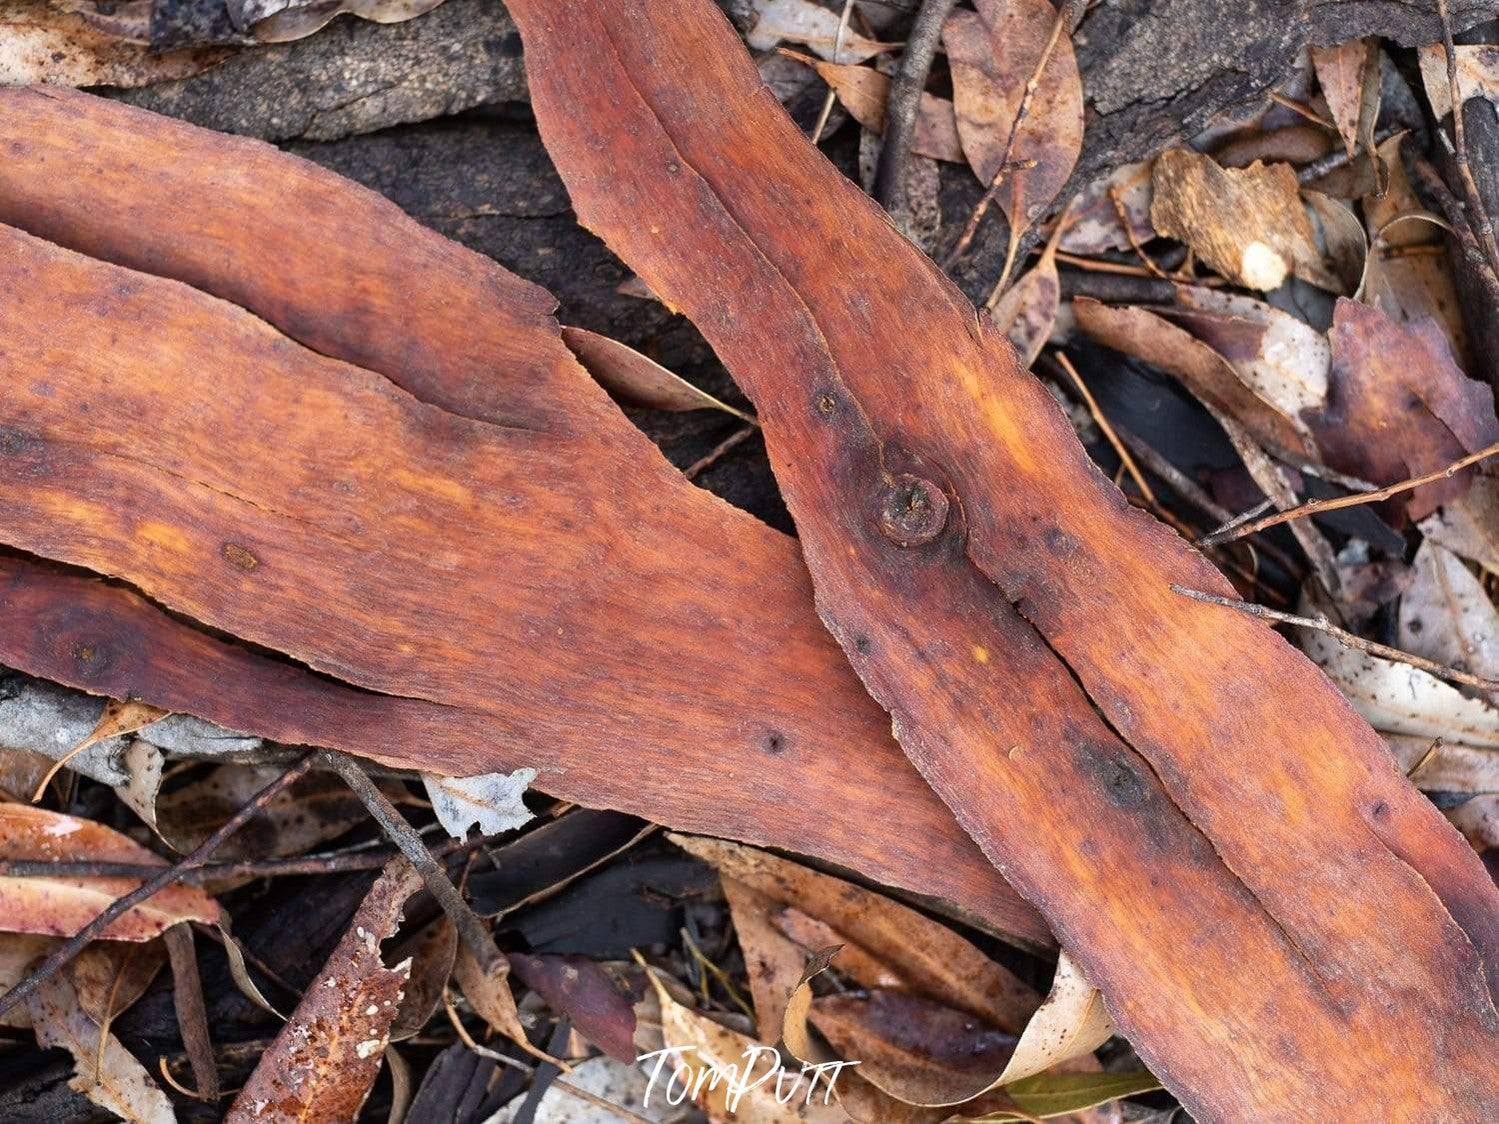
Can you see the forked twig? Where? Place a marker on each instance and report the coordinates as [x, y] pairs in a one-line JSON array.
[[1316, 507], [1067, 16]]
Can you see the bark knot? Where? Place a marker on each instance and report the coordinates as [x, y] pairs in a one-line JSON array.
[[913, 510]]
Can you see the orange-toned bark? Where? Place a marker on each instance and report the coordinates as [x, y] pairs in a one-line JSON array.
[[1283, 925], [545, 590]]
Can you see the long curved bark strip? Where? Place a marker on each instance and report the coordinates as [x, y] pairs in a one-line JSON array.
[[779, 718], [1283, 925]]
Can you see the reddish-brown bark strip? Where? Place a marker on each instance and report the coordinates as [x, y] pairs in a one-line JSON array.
[[1283, 925], [775, 743]]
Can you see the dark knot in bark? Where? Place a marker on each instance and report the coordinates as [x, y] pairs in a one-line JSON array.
[[913, 510]]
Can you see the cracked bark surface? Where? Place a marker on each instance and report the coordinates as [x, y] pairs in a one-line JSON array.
[[1284, 927], [415, 490]]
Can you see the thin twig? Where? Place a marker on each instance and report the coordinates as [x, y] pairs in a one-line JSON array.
[[1269, 477], [1108, 431], [75, 944], [1238, 520], [1334, 160], [1342, 635], [714, 454], [1179, 482], [1480, 215], [830, 97], [1067, 16], [1316, 507], [475, 936], [342, 863], [904, 102], [1187, 488]]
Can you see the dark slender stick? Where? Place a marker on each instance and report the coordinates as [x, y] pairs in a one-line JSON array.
[[257, 868], [1342, 635], [1479, 218], [475, 936], [75, 944], [905, 101]]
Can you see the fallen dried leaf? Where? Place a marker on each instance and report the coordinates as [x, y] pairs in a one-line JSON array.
[[863, 91], [314, 810], [1342, 238], [994, 52], [1477, 75], [1478, 820], [1340, 73], [145, 763], [706, 1049], [1398, 406], [432, 951], [1095, 223], [1247, 223], [812, 26], [636, 379], [115, 720], [108, 1074], [1207, 374], [930, 959], [1446, 615], [1409, 276], [1396, 698], [583, 991], [1027, 313], [911, 1048], [1282, 359], [922, 1052], [1070, 1022], [326, 1058], [62, 906], [1049, 1095], [488, 993], [1469, 525], [493, 801]]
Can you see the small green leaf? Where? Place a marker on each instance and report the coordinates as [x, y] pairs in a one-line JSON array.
[[1057, 1094]]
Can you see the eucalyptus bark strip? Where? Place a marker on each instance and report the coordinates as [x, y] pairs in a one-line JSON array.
[[649, 648], [1281, 924]]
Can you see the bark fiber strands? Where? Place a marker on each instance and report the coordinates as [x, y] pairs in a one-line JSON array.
[[1282, 924]]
